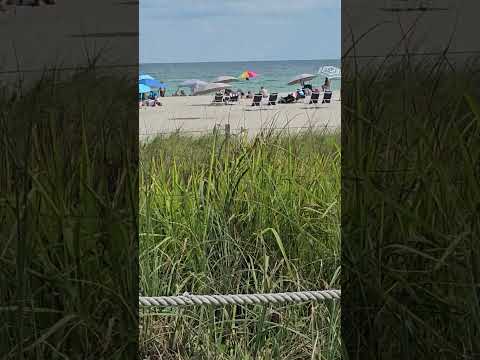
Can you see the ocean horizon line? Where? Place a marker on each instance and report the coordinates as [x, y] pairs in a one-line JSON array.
[[233, 61]]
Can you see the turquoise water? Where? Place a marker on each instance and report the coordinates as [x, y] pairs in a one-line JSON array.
[[273, 75]]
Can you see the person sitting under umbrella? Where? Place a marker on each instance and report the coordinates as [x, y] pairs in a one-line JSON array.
[[290, 98]]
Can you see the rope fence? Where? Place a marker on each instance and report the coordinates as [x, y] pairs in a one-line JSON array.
[[239, 299]]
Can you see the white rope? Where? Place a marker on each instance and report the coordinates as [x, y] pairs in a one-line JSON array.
[[239, 299]]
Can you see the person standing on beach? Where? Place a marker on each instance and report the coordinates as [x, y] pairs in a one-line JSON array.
[[326, 85], [264, 92]]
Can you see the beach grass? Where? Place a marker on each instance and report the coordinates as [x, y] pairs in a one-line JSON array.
[[230, 215]]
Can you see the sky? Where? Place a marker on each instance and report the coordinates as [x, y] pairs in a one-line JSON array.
[[236, 30]]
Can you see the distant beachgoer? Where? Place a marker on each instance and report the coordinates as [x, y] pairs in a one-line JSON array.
[[182, 93], [326, 85], [249, 95], [290, 98], [264, 92], [307, 91], [162, 92]]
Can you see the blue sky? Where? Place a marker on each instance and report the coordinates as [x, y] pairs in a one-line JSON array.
[[229, 30]]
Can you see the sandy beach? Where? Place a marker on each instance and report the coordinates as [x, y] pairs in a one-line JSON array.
[[196, 115]]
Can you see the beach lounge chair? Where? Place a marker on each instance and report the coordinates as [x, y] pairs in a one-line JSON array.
[[272, 99], [327, 97], [257, 99], [314, 98], [233, 99], [218, 99]]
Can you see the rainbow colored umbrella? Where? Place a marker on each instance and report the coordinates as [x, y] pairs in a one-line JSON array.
[[247, 74]]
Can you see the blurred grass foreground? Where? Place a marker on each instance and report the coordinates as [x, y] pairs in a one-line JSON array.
[[68, 207], [410, 209]]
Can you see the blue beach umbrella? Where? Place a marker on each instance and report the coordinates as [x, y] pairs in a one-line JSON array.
[[142, 88], [145, 77], [153, 83]]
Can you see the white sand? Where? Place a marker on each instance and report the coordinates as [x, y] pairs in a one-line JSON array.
[[196, 115]]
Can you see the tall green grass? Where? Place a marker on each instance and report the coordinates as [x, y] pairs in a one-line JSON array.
[[410, 210], [232, 215], [68, 207]]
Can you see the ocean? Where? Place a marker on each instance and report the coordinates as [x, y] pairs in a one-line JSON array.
[[273, 75]]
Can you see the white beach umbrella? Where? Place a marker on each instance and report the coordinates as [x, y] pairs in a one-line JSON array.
[[210, 87], [226, 79], [299, 79], [191, 83], [331, 72]]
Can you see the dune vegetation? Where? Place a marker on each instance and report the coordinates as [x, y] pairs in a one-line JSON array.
[[236, 215]]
